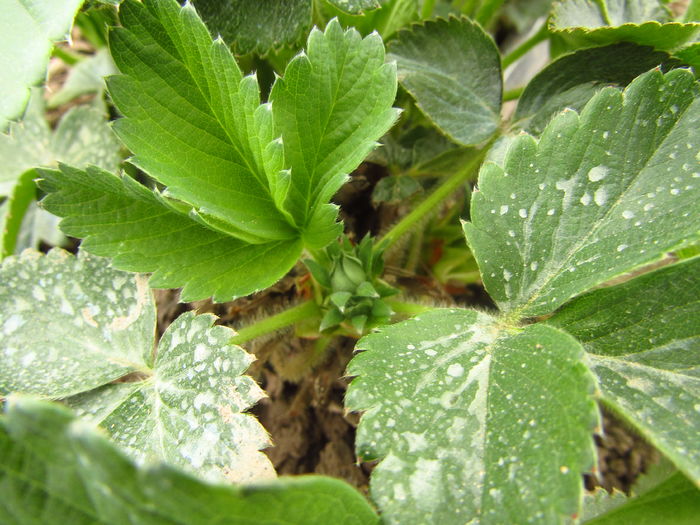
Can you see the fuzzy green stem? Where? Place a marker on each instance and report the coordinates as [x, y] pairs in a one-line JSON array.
[[402, 307], [541, 35], [434, 199], [276, 322], [513, 94], [487, 11], [427, 9], [66, 56]]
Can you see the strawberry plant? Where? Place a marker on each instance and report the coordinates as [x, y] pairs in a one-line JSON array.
[[576, 212]]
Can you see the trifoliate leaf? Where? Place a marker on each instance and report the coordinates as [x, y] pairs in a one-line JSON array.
[[599, 194], [74, 324], [259, 26], [189, 412], [473, 422], [643, 337], [331, 106], [452, 68], [28, 29], [57, 469], [675, 501], [122, 219], [645, 22], [571, 80], [70, 324], [87, 76], [192, 121]]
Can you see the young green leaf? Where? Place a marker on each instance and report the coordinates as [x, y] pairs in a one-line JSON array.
[[331, 106], [193, 122], [28, 31], [189, 413], [599, 194], [55, 468], [96, 324], [449, 399], [120, 218], [256, 27], [571, 80], [453, 70], [82, 137], [675, 501], [585, 23], [643, 337]]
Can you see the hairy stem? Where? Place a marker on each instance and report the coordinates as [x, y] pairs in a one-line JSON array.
[[403, 307], [276, 322], [434, 199], [526, 46], [513, 94]]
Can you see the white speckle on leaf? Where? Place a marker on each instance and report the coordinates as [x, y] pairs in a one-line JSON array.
[[507, 275], [504, 209], [201, 352], [522, 212], [455, 370], [627, 214], [586, 199], [600, 196], [622, 247], [598, 173]]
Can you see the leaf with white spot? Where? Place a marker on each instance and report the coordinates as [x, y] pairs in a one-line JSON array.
[[55, 469], [28, 28], [189, 412], [82, 137], [599, 194], [643, 337], [70, 324], [585, 23], [473, 422], [453, 70]]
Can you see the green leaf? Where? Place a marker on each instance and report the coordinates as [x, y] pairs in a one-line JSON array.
[[122, 219], [193, 122], [571, 80], [82, 137], [584, 23], [473, 422], [690, 55], [70, 324], [395, 189], [28, 29], [675, 501], [99, 325], [23, 194], [598, 195], [452, 68], [87, 76], [256, 27], [648, 320], [331, 106], [189, 413], [644, 351], [54, 467]]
